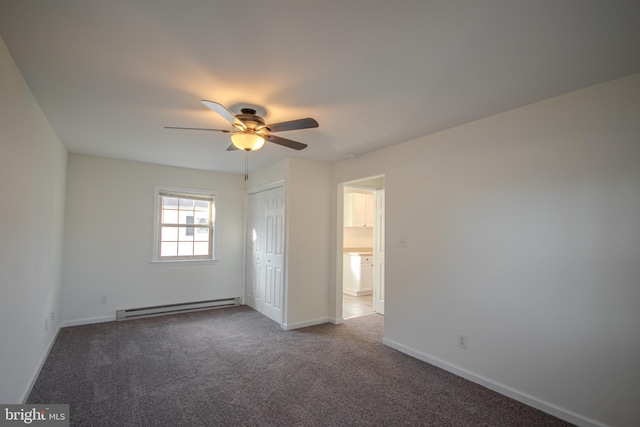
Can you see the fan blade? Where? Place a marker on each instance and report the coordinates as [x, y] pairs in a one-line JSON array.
[[214, 130], [286, 142], [232, 148], [293, 125], [224, 113]]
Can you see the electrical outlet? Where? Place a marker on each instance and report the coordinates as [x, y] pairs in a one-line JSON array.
[[462, 341], [401, 242], [103, 299], [53, 315]]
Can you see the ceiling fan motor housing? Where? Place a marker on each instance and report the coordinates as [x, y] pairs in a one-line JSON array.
[[250, 119]]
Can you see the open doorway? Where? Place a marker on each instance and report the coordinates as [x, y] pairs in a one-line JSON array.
[[363, 248]]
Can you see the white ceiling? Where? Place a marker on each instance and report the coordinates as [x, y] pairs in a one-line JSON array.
[[109, 75]]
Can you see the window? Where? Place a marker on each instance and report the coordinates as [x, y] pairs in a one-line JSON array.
[[176, 237]]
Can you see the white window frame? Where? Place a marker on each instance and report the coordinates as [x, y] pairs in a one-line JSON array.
[[180, 191]]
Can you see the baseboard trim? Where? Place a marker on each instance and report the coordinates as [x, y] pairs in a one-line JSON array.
[[88, 321], [336, 320], [34, 378], [527, 399], [357, 293], [298, 325]]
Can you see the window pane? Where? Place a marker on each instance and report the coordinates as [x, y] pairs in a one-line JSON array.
[[169, 216], [185, 249], [201, 217], [201, 205], [169, 203], [202, 235], [168, 249], [186, 203], [185, 217], [169, 234], [201, 248], [183, 234]]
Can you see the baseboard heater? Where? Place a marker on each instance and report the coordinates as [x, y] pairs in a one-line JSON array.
[[160, 310]]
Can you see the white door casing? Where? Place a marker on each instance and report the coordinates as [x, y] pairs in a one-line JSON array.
[[378, 247]]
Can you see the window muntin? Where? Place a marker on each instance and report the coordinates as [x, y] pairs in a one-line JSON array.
[[177, 238]]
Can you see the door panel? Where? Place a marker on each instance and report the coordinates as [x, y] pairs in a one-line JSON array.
[[279, 297], [250, 285], [279, 236], [269, 282], [270, 236]]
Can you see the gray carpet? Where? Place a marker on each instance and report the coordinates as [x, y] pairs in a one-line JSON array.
[[234, 367]]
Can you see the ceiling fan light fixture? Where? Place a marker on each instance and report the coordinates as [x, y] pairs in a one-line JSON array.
[[247, 140]]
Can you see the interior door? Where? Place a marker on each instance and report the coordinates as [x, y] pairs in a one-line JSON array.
[[378, 285], [264, 289]]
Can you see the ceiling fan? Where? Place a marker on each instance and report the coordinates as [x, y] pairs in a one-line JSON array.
[[250, 131]]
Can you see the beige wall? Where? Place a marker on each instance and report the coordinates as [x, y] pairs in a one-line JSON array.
[[309, 221], [307, 237], [109, 239], [32, 187], [523, 233]]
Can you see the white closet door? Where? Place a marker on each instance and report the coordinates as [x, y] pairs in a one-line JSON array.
[[265, 257]]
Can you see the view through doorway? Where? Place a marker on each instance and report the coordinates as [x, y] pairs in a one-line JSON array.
[[355, 306], [363, 247]]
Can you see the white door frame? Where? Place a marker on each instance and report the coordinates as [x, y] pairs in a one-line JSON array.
[[340, 240], [379, 252]]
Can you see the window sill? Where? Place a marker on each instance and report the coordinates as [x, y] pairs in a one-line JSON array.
[[183, 262]]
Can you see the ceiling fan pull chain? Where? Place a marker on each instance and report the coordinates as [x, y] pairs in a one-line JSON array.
[[246, 165]]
